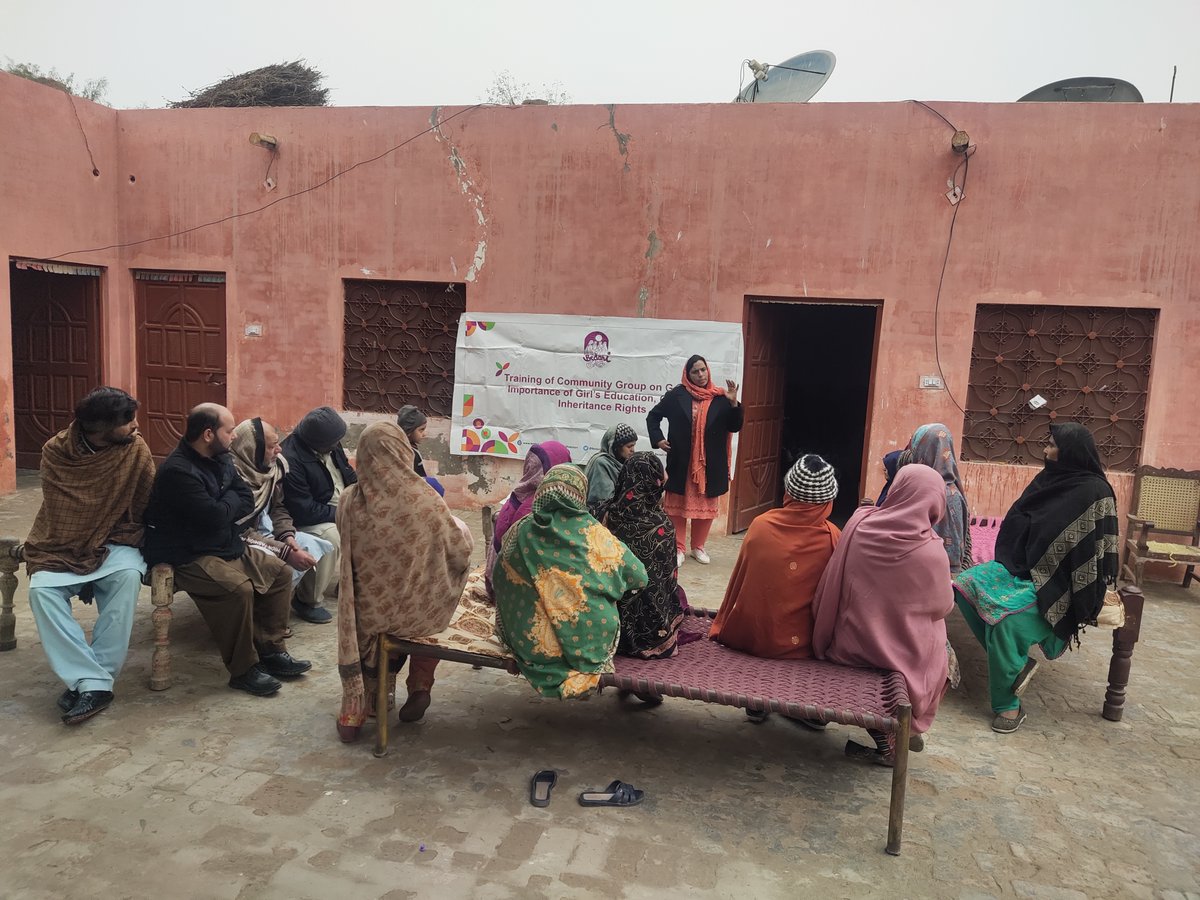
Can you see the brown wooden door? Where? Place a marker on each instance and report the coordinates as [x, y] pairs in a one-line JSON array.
[[56, 353], [757, 480], [181, 356]]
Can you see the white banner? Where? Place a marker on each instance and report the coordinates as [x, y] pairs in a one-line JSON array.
[[522, 379]]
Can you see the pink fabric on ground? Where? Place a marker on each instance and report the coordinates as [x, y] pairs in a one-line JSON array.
[[885, 595]]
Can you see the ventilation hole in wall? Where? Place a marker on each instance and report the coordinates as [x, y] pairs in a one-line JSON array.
[[132, 179], [96, 172]]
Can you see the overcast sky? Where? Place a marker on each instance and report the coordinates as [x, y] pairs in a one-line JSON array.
[[403, 53]]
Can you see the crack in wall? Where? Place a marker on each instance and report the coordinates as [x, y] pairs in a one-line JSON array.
[[466, 186], [622, 137]]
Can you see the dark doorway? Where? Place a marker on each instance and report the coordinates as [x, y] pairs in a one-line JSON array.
[[809, 369], [56, 350], [181, 350]]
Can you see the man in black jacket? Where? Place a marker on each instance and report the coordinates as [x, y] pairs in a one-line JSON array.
[[318, 472], [192, 523]]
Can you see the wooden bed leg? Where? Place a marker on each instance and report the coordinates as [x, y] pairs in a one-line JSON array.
[[1124, 639], [162, 592], [10, 560], [381, 697], [899, 782]]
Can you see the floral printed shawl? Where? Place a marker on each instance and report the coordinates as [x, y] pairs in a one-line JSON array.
[[558, 580], [650, 619]]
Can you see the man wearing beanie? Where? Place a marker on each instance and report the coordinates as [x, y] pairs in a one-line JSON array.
[[318, 472], [767, 610]]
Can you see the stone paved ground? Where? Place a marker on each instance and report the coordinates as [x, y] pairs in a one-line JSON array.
[[202, 792]]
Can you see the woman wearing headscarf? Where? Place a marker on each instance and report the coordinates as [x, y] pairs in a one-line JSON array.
[[701, 420], [404, 564], [540, 459], [414, 424], [1056, 556], [259, 461], [650, 619], [883, 600], [891, 464], [602, 469], [933, 445], [767, 610], [558, 581]]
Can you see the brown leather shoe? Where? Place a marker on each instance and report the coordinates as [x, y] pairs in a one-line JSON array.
[[414, 707]]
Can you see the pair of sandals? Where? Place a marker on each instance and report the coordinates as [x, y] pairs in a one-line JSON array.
[[616, 794]]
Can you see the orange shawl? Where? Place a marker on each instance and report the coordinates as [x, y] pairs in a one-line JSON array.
[[767, 609], [704, 396]]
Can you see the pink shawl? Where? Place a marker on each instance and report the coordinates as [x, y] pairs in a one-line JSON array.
[[541, 459], [884, 597]]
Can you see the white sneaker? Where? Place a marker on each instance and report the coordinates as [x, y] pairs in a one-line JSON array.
[[700, 556], [678, 559]]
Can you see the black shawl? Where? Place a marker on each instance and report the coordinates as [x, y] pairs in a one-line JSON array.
[[1061, 534]]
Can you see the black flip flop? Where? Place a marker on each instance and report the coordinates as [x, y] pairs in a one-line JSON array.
[[540, 787], [616, 794]]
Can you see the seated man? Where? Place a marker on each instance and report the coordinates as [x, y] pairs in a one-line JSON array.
[[192, 522], [258, 459], [96, 479], [318, 472]]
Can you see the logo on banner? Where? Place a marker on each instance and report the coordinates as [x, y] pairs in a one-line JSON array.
[[595, 350]]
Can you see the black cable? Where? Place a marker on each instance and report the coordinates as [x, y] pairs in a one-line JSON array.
[[250, 212], [935, 112], [79, 122], [965, 165]]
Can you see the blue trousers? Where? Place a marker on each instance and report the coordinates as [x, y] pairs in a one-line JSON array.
[[79, 665]]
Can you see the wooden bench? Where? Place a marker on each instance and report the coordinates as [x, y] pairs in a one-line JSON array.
[[707, 671], [983, 548], [162, 592]]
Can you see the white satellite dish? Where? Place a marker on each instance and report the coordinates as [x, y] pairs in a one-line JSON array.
[[795, 80]]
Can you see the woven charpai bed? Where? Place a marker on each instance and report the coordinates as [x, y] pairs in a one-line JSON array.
[[707, 671]]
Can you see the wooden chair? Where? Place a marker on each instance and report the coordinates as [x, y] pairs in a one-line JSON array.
[[1166, 502], [162, 592]]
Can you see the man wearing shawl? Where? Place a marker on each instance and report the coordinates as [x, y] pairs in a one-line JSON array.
[[884, 597], [1056, 556], [558, 581], [602, 469], [650, 618], [405, 560], [195, 522], [701, 419], [540, 459], [96, 478], [933, 446], [318, 472], [258, 459], [767, 609]]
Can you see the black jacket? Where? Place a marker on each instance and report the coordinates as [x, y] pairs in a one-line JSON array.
[[308, 486], [194, 507], [723, 418]]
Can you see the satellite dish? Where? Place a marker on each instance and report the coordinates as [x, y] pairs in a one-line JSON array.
[[793, 81], [1085, 90]]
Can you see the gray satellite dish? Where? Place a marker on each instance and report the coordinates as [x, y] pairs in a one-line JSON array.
[[794, 81], [1085, 90]]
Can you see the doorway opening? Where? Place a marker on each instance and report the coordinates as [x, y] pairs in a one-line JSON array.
[[56, 349], [809, 377]]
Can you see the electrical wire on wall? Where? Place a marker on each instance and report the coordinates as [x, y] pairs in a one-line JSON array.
[[79, 122], [956, 195], [265, 206]]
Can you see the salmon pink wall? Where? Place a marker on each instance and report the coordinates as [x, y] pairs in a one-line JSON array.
[[657, 211]]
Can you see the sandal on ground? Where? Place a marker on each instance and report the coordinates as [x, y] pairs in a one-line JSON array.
[[414, 707], [647, 698], [810, 724], [1004, 725], [757, 716], [855, 750], [541, 785], [916, 742], [1021, 682], [348, 733], [616, 794]]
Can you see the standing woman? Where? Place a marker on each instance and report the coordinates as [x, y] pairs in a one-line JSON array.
[[701, 420]]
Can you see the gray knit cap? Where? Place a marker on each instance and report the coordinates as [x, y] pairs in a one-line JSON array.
[[322, 428], [811, 480], [409, 418]]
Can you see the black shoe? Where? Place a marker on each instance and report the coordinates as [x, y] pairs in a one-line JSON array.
[[68, 699], [281, 665], [89, 704], [318, 615], [255, 681]]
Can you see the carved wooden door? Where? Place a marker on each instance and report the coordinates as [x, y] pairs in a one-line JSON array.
[[757, 482], [56, 354], [181, 355]]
